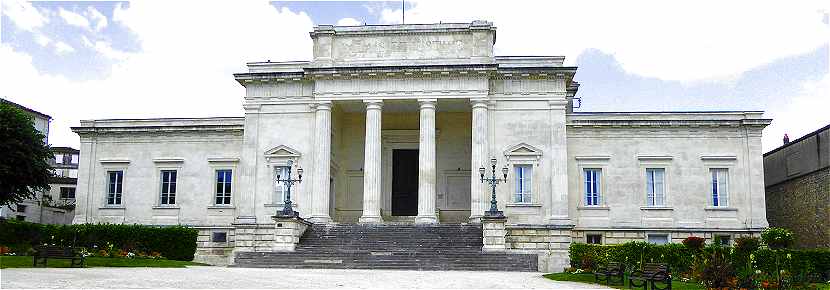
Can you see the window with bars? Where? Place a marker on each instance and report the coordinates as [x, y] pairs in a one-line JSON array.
[[223, 186], [655, 187], [168, 187], [67, 192], [593, 239], [279, 186], [592, 186], [720, 189], [524, 184], [114, 187]]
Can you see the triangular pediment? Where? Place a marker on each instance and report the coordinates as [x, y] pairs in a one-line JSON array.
[[523, 149], [282, 151]]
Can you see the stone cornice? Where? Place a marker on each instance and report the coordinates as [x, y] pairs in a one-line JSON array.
[[232, 125], [667, 119]]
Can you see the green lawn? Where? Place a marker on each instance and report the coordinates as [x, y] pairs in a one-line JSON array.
[[26, 262], [589, 278]]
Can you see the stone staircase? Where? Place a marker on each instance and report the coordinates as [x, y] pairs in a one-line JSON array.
[[396, 246]]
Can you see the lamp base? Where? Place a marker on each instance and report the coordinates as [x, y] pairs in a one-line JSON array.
[[494, 214]]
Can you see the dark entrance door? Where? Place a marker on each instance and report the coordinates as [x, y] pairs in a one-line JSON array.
[[404, 182]]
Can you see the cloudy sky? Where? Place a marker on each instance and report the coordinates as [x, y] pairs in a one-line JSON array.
[[143, 59]]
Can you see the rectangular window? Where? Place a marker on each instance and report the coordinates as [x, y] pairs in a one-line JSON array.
[[223, 187], [524, 184], [59, 158], [21, 208], [725, 240], [593, 239], [592, 186], [720, 190], [74, 159], [280, 172], [655, 187], [219, 237], [67, 192], [168, 187], [660, 239], [116, 179]]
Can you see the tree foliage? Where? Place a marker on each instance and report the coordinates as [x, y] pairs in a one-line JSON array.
[[24, 158]]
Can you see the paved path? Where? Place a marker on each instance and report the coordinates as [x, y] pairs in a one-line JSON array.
[[220, 277]]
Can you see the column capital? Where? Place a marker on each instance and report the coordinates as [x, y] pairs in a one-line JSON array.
[[427, 103], [480, 103], [321, 105], [373, 104]]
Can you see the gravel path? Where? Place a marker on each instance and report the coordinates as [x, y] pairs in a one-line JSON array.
[[220, 277]]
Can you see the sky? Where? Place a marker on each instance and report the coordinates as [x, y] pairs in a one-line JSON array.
[[149, 59]]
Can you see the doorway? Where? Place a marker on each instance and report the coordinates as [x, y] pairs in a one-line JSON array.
[[405, 182]]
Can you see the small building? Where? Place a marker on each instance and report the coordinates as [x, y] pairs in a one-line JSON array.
[[51, 207], [797, 178]]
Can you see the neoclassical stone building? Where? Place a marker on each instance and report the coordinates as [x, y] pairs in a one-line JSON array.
[[391, 123]]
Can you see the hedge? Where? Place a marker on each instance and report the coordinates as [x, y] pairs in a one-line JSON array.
[[173, 242], [680, 258]]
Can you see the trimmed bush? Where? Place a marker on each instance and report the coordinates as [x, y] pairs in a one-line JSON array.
[[632, 254], [174, 242]]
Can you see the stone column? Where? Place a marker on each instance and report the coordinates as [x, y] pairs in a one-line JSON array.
[[478, 158], [322, 163], [426, 164], [372, 170]]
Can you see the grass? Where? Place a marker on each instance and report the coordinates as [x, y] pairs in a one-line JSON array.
[[26, 262], [589, 278]]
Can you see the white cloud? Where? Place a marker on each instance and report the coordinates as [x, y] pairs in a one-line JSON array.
[[669, 40], [99, 19], [23, 14], [61, 48], [42, 39], [805, 112], [184, 69], [73, 18], [348, 21]]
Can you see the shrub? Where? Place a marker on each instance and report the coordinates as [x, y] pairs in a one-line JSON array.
[[718, 271], [631, 254], [747, 245], [694, 243], [777, 238], [174, 242]]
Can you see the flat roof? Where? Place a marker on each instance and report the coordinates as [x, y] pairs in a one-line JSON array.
[[811, 134]]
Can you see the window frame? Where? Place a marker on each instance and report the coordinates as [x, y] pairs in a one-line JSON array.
[[228, 187], [597, 186], [117, 196], [718, 198], [275, 185], [114, 164], [518, 197], [74, 190], [172, 183], [667, 235], [601, 238], [664, 186]]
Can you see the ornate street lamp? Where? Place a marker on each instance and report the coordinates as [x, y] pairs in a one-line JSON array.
[[288, 210], [493, 181]]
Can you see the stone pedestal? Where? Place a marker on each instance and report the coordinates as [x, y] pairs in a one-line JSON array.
[[494, 234], [287, 233]]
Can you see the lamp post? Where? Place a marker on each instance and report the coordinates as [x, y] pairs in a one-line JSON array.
[[493, 181], [288, 210]]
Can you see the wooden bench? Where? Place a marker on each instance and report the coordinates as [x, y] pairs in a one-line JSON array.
[[611, 270], [650, 274], [43, 253]]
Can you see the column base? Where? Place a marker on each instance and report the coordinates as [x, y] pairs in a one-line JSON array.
[[427, 219], [370, 220]]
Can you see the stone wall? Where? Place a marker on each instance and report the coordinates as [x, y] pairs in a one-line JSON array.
[[803, 206], [550, 244], [213, 252]]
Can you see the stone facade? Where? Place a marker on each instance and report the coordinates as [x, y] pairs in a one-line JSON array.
[[797, 178], [391, 123]]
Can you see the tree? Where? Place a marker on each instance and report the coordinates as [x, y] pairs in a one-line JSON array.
[[24, 158]]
